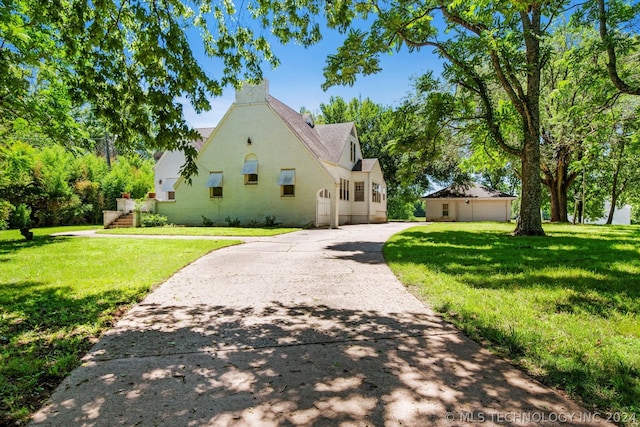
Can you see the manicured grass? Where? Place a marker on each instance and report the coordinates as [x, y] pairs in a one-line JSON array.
[[566, 307], [201, 231], [58, 294]]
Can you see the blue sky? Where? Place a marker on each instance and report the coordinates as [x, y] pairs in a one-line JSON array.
[[297, 81]]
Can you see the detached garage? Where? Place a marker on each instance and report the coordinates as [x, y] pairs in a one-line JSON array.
[[472, 202]]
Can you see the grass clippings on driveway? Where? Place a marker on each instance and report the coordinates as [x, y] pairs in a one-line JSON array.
[[58, 294], [565, 307], [201, 231]]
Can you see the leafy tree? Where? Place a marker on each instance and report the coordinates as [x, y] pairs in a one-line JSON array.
[[426, 141], [507, 36], [577, 96], [614, 174], [375, 125], [615, 23], [58, 186], [132, 175], [17, 183], [131, 61], [6, 209]]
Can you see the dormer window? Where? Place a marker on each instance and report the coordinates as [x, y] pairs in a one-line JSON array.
[[308, 118], [353, 152]]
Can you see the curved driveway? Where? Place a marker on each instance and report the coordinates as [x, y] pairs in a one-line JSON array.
[[309, 328]]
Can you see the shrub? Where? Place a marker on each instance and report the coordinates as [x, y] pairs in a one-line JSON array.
[[153, 220], [270, 221], [132, 175], [21, 217], [232, 222], [206, 222]]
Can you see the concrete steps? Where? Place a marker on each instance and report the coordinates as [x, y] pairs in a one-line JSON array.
[[125, 221]]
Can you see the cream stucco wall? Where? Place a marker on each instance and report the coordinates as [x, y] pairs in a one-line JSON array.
[[474, 210], [276, 148], [368, 211], [168, 166]]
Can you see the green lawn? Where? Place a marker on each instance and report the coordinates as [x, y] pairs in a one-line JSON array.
[[57, 294], [566, 307], [201, 231]]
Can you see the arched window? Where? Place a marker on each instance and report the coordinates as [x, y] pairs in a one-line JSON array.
[[250, 169]]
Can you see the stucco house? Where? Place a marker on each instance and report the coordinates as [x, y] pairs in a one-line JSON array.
[[472, 202], [167, 168], [266, 160]]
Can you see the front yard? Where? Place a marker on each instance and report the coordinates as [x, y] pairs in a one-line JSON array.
[[565, 308], [58, 294]]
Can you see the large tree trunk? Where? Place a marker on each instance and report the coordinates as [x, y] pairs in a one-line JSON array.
[[558, 189], [530, 221]]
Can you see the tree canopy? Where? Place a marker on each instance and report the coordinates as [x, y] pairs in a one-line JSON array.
[[133, 62]]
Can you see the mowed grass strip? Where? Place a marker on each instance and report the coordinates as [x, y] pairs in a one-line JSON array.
[[201, 231], [565, 307], [58, 294]]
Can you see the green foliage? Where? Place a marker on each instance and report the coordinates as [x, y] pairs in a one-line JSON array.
[[270, 221], [6, 210], [201, 231], [132, 175], [576, 323], [613, 155], [207, 222], [399, 209], [153, 220], [61, 186], [21, 217], [130, 63], [232, 222]]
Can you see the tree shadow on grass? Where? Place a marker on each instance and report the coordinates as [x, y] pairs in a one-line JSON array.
[[592, 277], [287, 364], [12, 247], [498, 261], [43, 335]]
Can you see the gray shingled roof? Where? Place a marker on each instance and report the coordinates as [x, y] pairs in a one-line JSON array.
[[204, 134], [335, 136], [470, 191], [197, 143], [326, 142]]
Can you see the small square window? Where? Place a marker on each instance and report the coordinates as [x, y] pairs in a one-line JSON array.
[[289, 190], [251, 178], [215, 192], [171, 195]]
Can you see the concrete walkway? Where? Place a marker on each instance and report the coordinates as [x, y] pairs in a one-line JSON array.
[[306, 329]]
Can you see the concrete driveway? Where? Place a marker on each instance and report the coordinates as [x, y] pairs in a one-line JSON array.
[[309, 328]]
